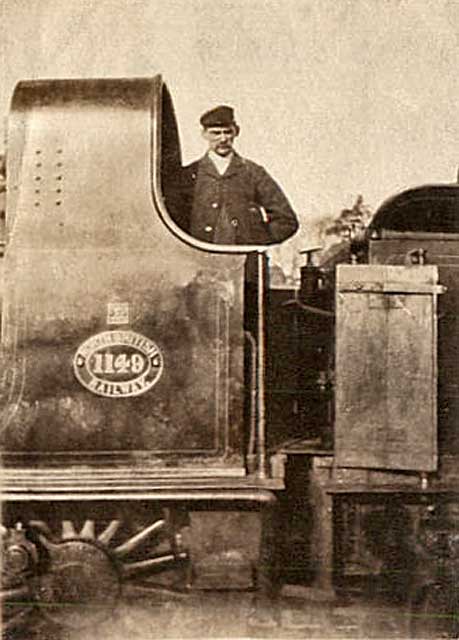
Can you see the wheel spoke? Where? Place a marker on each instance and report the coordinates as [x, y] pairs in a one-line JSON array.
[[133, 591], [108, 533], [68, 530], [42, 527], [159, 562], [48, 544], [136, 540], [88, 530]]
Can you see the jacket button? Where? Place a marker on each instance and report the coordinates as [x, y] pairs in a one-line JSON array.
[[234, 222], [214, 205], [208, 228]]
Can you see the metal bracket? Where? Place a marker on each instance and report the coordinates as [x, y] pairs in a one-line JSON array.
[[418, 288]]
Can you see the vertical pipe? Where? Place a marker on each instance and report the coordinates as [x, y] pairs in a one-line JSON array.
[[261, 365]]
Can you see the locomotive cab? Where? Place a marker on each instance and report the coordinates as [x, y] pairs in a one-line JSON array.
[[126, 357], [150, 319]]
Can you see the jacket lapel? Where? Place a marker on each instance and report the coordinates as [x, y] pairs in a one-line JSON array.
[[236, 166], [207, 166]]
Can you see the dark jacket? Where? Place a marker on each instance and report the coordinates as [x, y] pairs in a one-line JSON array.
[[227, 208]]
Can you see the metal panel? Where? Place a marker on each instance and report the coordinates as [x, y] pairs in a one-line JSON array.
[[386, 367], [88, 254]]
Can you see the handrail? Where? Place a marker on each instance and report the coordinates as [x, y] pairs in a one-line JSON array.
[[261, 362]]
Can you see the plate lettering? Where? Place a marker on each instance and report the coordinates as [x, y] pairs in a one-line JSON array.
[[118, 364]]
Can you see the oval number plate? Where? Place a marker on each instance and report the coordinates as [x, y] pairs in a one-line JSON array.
[[118, 364]]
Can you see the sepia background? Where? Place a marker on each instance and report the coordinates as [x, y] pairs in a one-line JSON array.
[[334, 98]]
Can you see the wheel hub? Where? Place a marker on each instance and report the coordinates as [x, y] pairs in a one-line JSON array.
[[19, 556], [81, 586]]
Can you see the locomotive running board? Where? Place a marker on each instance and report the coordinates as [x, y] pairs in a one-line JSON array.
[[127, 484]]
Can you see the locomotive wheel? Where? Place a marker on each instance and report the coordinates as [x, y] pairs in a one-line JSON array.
[[84, 571]]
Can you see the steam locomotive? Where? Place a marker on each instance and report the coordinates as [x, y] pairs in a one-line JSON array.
[[162, 415]]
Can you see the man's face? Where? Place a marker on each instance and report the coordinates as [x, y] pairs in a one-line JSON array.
[[220, 139]]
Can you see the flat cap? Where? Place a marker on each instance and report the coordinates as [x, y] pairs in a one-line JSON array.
[[221, 116]]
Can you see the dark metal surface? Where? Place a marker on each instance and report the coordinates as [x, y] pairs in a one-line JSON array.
[[432, 208]]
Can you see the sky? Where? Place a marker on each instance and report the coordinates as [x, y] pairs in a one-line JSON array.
[[334, 97]]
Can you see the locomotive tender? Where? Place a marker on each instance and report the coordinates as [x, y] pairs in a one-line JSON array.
[[156, 406], [377, 400]]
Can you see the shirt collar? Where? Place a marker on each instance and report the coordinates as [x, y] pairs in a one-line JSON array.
[[221, 162]]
